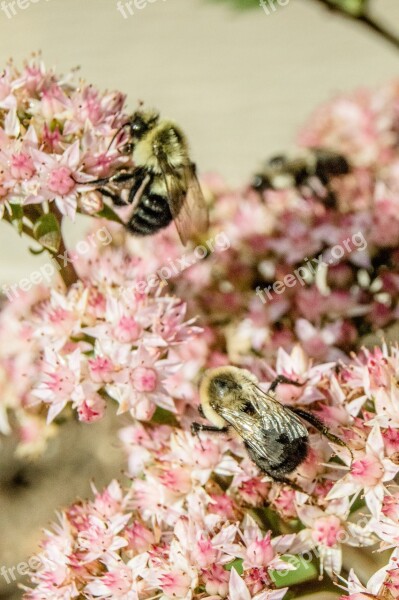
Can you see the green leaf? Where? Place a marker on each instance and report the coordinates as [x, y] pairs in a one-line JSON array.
[[36, 252], [162, 416], [16, 216], [47, 232], [108, 213], [304, 571], [235, 564]]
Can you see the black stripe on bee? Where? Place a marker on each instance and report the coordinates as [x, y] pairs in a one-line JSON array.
[[150, 215]]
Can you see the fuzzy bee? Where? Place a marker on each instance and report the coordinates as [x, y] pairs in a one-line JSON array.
[[274, 435], [162, 186], [310, 171]]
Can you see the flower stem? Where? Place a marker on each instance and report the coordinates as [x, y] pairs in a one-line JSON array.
[[367, 21], [65, 265], [66, 269]]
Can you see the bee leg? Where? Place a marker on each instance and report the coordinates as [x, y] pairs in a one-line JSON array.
[[117, 178], [197, 427], [286, 481], [330, 200], [282, 379], [320, 426], [114, 197]]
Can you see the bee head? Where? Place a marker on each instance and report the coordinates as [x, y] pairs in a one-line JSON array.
[[141, 122], [224, 383], [223, 387], [278, 162], [260, 182]]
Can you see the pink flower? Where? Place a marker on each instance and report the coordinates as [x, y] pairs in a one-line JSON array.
[[177, 479], [127, 330], [216, 580], [368, 474], [100, 537], [222, 505], [390, 507], [327, 531], [367, 471], [117, 582], [254, 491], [92, 408], [60, 181], [60, 382], [175, 584], [144, 379], [56, 175], [22, 166], [101, 369], [139, 538], [259, 552], [284, 502]]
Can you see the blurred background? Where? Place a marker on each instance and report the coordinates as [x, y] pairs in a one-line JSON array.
[[240, 83]]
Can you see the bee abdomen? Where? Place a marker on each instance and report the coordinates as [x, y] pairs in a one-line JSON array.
[[151, 214], [291, 454], [294, 453]]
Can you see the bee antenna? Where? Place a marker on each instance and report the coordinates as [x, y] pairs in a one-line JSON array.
[[116, 134], [200, 441]]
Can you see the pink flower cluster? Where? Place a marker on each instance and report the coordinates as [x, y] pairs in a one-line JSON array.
[[185, 520], [199, 520], [107, 549], [96, 342], [53, 134]]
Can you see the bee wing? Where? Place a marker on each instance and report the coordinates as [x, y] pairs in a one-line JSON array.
[[193, 217], [249, 428], [275, 416], [185, 199], [270, 419]]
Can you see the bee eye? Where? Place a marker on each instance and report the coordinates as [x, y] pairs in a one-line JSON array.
[[127, 149], [138, 126]]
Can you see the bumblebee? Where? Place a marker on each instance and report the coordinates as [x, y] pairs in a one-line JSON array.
[[162, 186], [274, 435], [310, 171]]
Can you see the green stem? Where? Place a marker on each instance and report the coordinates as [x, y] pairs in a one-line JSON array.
[[365, 19], [62, 258], [66, 268]]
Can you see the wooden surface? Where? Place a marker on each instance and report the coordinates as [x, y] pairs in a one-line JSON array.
[[239, 84]]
